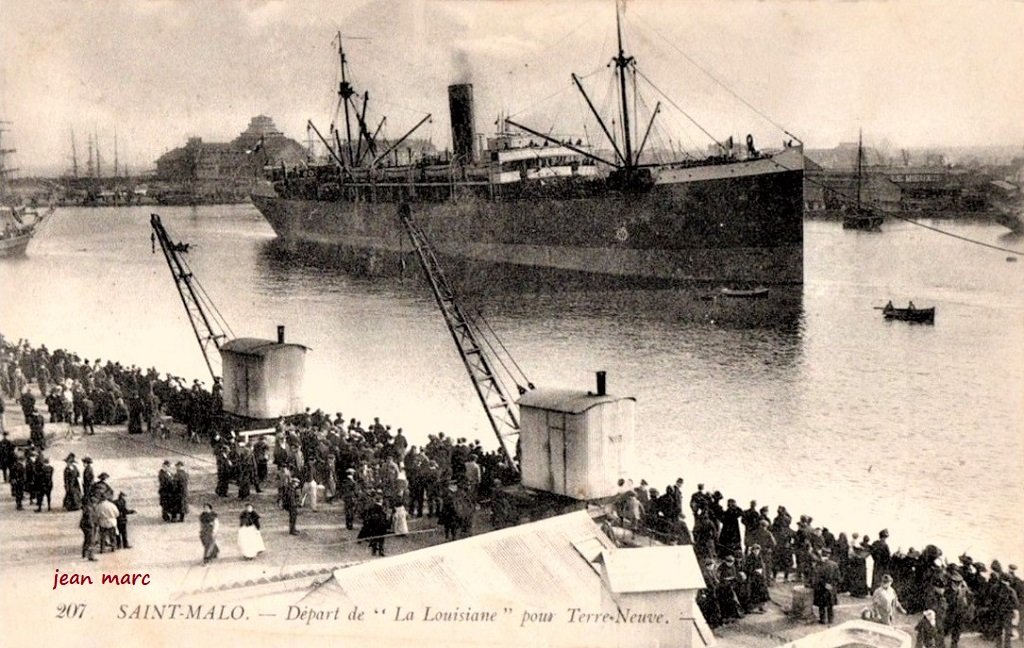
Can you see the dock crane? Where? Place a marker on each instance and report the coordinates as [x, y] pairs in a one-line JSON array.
[[207, 323], [467, 335]]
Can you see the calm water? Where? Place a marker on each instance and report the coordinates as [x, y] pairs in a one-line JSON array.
[[828, 409]]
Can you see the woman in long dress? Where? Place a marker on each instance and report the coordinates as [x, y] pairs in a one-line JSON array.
[[72, 489], [401, 517], [208, 525], [250, 540]]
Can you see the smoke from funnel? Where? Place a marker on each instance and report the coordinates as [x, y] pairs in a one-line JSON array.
[[460, 65]]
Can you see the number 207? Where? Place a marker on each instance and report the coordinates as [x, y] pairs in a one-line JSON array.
[[71, 611]]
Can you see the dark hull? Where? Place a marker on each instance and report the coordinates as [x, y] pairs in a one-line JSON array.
[[730, 225], [915, 315]]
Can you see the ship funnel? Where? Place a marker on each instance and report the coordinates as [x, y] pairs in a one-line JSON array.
[[460, 107], [602, 387], [280, 334]]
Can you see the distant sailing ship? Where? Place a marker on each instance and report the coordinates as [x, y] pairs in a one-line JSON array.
[[532, 201], [862, 218], [18, 224]]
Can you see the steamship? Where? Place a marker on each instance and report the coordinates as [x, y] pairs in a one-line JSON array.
[[532, 202]]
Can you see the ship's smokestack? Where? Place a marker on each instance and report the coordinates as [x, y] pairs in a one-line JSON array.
[[460, 106], [280, 334], [602, 387]]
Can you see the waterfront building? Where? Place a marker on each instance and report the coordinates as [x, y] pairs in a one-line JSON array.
[[224, 171]]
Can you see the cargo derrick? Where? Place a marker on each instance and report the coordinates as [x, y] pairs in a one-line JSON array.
[[262, 379], [499, 407], [207, 323]]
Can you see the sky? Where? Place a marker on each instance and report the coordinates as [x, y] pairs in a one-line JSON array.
[[910, 73]]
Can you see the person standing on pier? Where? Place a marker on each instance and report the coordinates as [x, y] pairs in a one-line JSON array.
[[165, 490], [246, 470], [180, 491], [17, 477], [88, 526], [826, 587], [250, 540], [926, 632], [88, 413], [72, 489], [106, 521], [958, 608], [44, 483], [208, 526], [290, 496], [729, 540], [882, 558], [122, 520], [884, 602], [88, 476], [6, 450]]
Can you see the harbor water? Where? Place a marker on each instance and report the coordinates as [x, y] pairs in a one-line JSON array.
[[812, 401]]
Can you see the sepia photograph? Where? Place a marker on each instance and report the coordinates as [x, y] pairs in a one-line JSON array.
[[624, 323]]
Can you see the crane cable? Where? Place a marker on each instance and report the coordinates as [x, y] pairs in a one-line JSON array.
[[511, 358]]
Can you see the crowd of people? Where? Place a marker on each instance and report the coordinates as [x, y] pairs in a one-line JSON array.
[[744, 552], [372, 472], [377, 477]]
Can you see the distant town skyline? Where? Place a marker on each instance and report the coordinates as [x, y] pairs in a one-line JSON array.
[[913, 73]]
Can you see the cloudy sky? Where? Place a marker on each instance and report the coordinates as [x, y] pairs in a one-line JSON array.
[[911, 72]]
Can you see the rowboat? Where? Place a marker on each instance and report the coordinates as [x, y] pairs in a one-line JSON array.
[[909, 314], [745, 293]]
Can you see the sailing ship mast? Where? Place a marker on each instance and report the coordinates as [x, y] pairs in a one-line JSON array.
[[860, 157], [74, 155], [621, 63]]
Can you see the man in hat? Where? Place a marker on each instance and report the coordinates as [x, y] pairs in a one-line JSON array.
[[6, 454], [36, 427], [101, 490], [958, 607], [17, 479], [728, 590], [44, 483], [290, 503], [165, 490], [349, 496], [88, 476], [1003, 602], [707, 599], [181, 491], [826, 587], [884, 602], [122, 520], [87, 524], [106, 521], [448, 516], [882, 558], [375, 524], [245, 470]]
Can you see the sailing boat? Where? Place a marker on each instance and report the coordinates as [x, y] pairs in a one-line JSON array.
[[18, 223], [862, 218]]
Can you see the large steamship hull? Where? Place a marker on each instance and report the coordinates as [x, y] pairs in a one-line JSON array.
[[736, 222]]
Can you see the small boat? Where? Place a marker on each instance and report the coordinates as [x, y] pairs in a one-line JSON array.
[[863, 221], [909, 314], [16, 232], [745, 293]]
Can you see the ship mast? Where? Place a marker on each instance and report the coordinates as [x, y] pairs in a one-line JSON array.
[[860, 156], [74, 155], [4, 169], [621, 63], [345, 91]]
